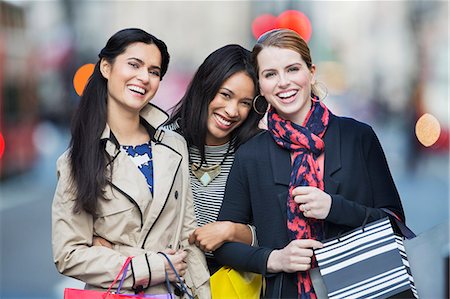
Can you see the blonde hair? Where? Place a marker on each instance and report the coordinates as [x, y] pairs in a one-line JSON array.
[[285, 39]]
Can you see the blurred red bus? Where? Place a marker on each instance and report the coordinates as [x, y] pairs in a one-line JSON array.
[[18, 98]]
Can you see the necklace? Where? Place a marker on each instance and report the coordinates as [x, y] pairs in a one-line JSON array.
[[207, 174]]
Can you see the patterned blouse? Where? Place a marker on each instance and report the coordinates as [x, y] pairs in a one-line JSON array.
[[141, 155]]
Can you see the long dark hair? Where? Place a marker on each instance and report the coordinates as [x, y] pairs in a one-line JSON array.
[[87, 153], [191, 113]]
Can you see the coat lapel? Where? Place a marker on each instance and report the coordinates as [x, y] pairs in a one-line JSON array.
[[166, 162], [280, 160], [130, 181], [332, 159]]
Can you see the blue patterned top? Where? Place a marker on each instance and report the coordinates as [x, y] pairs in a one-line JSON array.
[[141, 155]]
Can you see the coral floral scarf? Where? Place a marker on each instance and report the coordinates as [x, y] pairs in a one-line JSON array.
[[306, 145]]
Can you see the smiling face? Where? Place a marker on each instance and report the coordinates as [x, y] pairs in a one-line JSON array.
[[285, 81], [133, 77], [229, 108]]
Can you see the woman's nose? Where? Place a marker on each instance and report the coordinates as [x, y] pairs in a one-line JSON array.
[[283, 80], [231, 109], [143, 75]]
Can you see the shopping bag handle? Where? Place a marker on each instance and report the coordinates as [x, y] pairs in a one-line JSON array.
[[366, 218], [122, 272], [405, 231], [182, 285]]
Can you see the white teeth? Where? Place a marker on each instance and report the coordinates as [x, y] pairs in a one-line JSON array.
[[136, 89], [287, 94], [222, 120]]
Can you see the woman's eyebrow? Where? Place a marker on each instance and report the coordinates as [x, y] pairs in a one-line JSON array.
[[142, 62]]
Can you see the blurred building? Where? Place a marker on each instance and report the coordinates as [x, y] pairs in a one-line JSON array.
[[191, 31], [379, 51]]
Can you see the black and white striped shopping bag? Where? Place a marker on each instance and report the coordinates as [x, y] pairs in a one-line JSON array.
[[368, 262]]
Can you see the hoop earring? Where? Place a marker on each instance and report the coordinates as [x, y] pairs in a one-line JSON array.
[[320, 90], [254, 104]]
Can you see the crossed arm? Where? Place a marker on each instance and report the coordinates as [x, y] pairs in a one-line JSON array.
[[212, 235]]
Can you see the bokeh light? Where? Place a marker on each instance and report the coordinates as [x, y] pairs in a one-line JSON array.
[[297, 21], [428, 129], [82, 76], [290, 19], [2, 145], [263, 23]]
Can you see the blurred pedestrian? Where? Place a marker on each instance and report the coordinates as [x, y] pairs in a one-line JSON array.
[[310, 176], [125, 180]]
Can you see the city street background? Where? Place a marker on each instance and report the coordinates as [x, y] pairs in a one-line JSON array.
[[384, 63]]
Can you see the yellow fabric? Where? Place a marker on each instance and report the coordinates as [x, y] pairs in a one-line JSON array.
[[229, 283]]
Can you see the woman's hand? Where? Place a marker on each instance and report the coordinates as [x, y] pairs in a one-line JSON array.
[[296, 256], [99, 241], [178, 261], [212, 235], [313, 202], [176, 257]]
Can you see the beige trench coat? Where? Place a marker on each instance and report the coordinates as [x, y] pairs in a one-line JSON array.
[[137, 223]]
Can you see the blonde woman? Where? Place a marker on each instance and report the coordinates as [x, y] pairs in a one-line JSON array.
[[311, 176]]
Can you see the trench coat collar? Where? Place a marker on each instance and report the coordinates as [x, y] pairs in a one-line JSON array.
[[152, 117]]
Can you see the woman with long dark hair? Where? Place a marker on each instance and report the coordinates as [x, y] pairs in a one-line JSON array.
[[216, 117], [125, 180]]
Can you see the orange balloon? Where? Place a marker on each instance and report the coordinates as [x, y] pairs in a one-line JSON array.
[[297, 21], [82, 76]]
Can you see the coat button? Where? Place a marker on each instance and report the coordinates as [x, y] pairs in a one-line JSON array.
[[176, 194]]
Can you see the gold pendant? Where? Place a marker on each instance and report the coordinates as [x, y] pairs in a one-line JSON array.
[[205, 174]]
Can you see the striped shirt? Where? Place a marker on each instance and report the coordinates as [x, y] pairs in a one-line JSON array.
[[208, 200]]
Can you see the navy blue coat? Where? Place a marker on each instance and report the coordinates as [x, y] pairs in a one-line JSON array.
[[356, 175]]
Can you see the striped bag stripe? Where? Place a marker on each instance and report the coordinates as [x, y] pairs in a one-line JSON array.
[[402, 250], [366, 263]]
